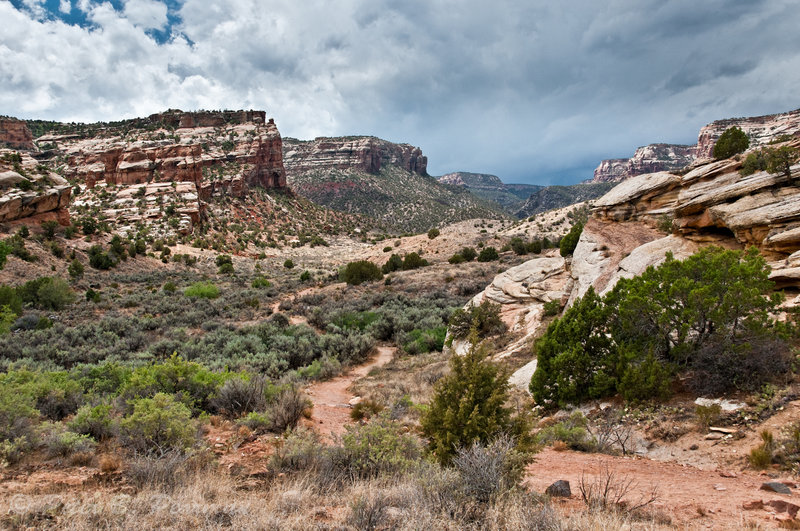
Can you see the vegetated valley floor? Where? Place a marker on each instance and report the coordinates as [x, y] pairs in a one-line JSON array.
[[701, 481]]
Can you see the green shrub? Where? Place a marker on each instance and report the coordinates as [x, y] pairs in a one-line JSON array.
[[456, 259], [423, 341], [75, 269], [11, 298], [49, 228], [99, 259], [62, 443], [468, 253], [413, 261], [203, 290], [260, 282], [551, 308], [365, 410], [5, 250], [288, 407], [433, 233], [158, 425], [395, 263], [731, 142], [754, 162], [378, 448], [88, 226], [257, 422], [488, 254], [55, 294], [469, 405], [224, 264], [519, 246], [190, 382], [484, 318], [535, 247], [355, 273], [388, 249], [288, 264], [56, 394], [707, 316], [170, 287], [570, 241], [572, 431], [781, 159], [305, 276], [94, 421]]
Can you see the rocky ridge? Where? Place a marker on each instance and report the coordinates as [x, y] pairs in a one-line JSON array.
[[172, 159], [361, 153], [489, 187], [668, 157], [643, 218]]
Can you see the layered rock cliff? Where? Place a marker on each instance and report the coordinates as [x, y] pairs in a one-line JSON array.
[[668, 157], [510, 197], [28, 189], [364, 153], [171, 158], [759, 129], [15, 134], [646, 159]]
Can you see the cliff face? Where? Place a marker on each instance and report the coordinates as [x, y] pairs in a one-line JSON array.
[[172, 159], [647, 159], [28, 190], [669, 157], [760, 129], [366, 154], [15, 134]]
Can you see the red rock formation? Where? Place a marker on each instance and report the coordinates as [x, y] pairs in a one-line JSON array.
[[668, 157], [362, 153], [647, 159], [15, 134], [27, 192], [760, 129]]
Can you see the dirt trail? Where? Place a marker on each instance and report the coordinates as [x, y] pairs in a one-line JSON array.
[[331, 398], [693, 498]]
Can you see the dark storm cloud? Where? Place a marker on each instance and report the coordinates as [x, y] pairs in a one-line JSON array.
[[531, 91]]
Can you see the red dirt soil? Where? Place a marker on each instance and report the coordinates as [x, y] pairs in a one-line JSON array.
[[331, 398], [692, 498]]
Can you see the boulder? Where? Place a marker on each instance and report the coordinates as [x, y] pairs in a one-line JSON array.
[[559, 489], [774, 486]]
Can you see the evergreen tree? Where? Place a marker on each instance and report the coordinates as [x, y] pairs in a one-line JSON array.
[[731, 142]]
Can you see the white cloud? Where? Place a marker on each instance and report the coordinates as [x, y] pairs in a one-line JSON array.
[[520, 90], [65, 6], [148, 14]]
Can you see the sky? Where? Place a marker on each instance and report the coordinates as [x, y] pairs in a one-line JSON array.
[[532, 91]]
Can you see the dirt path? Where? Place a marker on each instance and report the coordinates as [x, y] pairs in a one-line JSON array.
[[331, 398], [692, 498]]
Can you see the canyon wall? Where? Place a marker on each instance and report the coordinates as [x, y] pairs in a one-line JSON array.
[[15, 134], [366, 154]]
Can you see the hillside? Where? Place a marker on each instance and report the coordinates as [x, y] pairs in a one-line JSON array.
[[551, 197], [490, 188], [382, 181]]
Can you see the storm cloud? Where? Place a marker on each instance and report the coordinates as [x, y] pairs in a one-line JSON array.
[[531, 91]]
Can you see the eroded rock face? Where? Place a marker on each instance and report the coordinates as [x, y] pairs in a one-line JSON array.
[[713, 203], [670, 157], [760, 129], [15, 134], [362, 153], [177, 160], [26, 191], [647, 159], [522, 292]]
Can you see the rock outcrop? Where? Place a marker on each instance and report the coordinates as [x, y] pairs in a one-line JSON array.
[[760, 130], [670, 157], [177, 159], [364, 153], [27, 190], [646, 159], [15, 134]]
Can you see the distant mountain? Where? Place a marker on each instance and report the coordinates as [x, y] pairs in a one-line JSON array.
[[382, 180], [489, 187], [551, 197]]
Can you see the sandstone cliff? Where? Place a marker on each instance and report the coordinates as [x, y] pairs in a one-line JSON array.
[[28, 189], [668, 157], [363, 153], [171, 158], [646, 159], [15, 134]]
